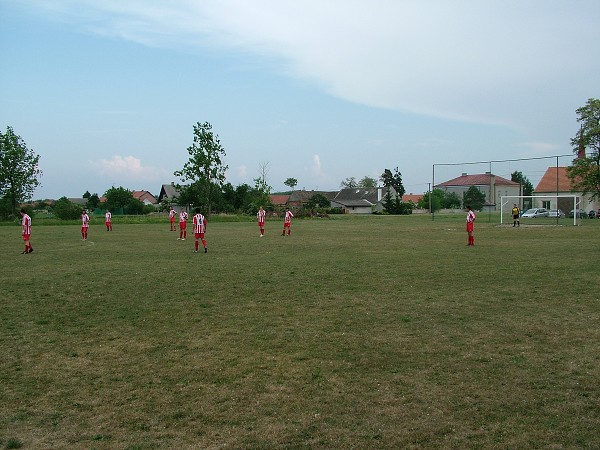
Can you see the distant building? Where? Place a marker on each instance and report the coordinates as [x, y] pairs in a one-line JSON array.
[[493, 186], [168, 192], [145, 197], [360, 200], [555, 182]]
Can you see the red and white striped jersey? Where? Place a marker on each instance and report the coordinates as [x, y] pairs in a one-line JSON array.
[[85, 220], [470, 217], [260, 215], [199, 223], [26, 224], [107, 216], [183, 216], [288, 217], [172, 213]]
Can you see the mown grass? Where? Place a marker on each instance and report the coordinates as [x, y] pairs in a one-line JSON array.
[[355, 332]]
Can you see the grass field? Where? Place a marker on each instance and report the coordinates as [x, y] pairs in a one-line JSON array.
[[355, 332]]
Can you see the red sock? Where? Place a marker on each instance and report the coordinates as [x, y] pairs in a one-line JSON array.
[[196, 245]]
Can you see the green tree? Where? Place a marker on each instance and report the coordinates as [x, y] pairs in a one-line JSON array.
[[117, 198], [291, 182], [367, 182], [349, 183], [585, 170], [205, 167], [19, 171], [474, 198], [93, 201], [394, 180], [437, 196], [134, 207], [394, 204], [526, 186], [318, 200], [451, 200], [65, 209]]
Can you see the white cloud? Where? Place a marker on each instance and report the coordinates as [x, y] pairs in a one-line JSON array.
[[242, 171], [495, 62], [127, 166]]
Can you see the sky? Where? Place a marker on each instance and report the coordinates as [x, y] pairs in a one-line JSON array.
[[107, 93]]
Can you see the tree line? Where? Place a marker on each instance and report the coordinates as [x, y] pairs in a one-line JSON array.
[[205, 185]]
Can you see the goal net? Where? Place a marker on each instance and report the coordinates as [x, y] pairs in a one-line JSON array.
[[564, 204]]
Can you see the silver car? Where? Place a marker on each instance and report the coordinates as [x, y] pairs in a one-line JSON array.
[[535, 212], [556, 213]]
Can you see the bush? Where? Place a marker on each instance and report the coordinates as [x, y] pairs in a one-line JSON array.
[[65, 209]]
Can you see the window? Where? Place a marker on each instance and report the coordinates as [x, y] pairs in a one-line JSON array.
[[546, 204]]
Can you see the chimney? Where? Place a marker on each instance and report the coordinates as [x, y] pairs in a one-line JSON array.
[[581, 149], [464, 174]]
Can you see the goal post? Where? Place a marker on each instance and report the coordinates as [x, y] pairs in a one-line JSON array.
[[507, 201]]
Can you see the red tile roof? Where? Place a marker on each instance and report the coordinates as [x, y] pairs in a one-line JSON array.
[[412, 198], [548, 183], [279, 199], [481, 179]]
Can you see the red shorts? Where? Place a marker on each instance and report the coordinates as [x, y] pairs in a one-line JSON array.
[[107, 222], [84, 229], [172, 219], [199, 235], [261, 224], [287, 224], [182, 225], [469, 227], [26, 237]]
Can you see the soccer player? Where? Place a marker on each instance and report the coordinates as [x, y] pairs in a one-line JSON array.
[[260, 217], [26, 230], [172, 215], [516, 212], [199, 229], [470, 220], [85, 223], [287, 222], [183, 216], [108, 220]]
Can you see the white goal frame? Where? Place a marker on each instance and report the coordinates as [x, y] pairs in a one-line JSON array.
[[518, 197]]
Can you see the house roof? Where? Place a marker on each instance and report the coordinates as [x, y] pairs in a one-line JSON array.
[[412, 198], [480, 179], [548, 183], [346, 195], [144, 195], [168, 191], [303, 196], [279, 199]]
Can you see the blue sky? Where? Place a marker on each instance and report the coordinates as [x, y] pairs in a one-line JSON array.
[[107, 93]]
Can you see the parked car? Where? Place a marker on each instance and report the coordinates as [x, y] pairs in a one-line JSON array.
[[592, 214], [535, 212], [581, 214], [556, 213]]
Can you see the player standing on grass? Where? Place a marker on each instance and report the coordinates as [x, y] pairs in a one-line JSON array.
[[183, 216], [470, 220], [26, 230], [287, 222], [85, 223], [199, 230], [260, 217], [108, 220], [516, 212], [172, 214]]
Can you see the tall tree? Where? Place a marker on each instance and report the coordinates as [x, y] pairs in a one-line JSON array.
[[117, 198], [205, 167], [367, 182], [394, 180], [526, 186], [349, 183], [585, 171], [19, 170], [474, 198], [291, 182]]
